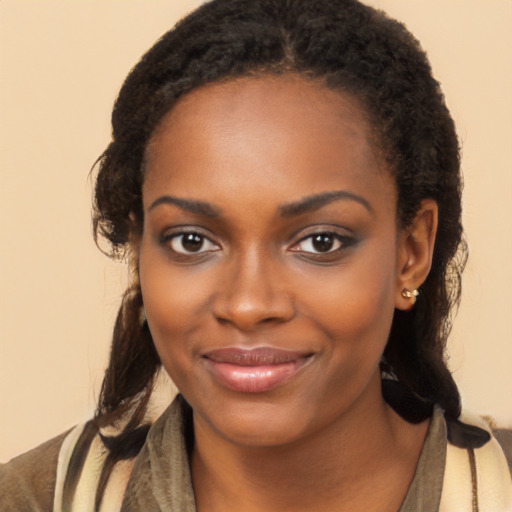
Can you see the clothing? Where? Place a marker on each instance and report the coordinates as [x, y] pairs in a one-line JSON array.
[[155, 483]]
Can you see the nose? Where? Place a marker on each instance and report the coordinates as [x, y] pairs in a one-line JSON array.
[[252, 294]]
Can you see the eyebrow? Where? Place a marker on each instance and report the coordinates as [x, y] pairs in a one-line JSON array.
[[304, 205], [193, 206], [317, 201]]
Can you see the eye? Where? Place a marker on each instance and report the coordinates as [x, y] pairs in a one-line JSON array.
[[322, 243], [191, 243]]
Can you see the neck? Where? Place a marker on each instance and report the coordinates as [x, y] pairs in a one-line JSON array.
[[354, 460]]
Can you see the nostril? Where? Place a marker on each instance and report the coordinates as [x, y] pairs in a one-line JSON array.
[[249, 319], [269, 320]]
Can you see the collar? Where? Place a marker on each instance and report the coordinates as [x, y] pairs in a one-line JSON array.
[[163, 483]]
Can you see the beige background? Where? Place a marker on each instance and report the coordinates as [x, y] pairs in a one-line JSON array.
[[62, 63]]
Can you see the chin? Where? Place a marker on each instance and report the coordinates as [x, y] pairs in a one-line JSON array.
[[255, 425]]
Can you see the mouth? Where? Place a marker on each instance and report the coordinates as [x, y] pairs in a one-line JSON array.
[[256, 370]]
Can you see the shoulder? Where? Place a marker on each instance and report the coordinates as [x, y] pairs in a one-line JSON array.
[[500, 438], [504, 438], [474, 455], [34, 481], [27, 482]]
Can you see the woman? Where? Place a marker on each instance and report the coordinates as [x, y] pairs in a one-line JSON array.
[[284, 178]]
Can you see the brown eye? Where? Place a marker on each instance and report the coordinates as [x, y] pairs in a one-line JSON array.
[[323, 242], [192, 243], [320, 243]]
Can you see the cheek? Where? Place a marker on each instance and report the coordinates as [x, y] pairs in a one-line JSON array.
[[355, 325], [354, 304], [174, 301], [170, 303]]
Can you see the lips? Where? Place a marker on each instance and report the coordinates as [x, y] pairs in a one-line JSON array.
[[254, 371]]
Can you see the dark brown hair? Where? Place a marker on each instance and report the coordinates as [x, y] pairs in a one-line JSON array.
[[344, 45]]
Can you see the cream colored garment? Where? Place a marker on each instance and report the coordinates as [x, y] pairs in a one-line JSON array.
[[492, 479], [85, 492]]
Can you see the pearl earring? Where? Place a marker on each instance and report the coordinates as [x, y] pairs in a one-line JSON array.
[[410, 294]]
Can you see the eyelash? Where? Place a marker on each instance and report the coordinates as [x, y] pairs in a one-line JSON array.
[[174, 238], [339, 243]]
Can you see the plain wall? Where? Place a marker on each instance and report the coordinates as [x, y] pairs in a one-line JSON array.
[[61, 65]]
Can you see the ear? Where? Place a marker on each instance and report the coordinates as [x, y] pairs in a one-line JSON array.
[[415, 250]]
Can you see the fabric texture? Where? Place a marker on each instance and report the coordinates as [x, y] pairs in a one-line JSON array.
[[27, 482], [152, 482], [165, 485]]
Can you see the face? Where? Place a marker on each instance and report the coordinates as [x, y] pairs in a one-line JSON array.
[[269, 257]]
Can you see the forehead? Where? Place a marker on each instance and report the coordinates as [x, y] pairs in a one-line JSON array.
[[267, 131]]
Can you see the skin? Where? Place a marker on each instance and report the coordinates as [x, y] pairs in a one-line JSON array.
[[253, 149]]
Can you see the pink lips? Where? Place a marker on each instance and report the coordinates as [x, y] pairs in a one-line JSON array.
[[256, 370]]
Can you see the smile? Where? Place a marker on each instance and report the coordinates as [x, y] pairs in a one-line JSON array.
[[254, 371]]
